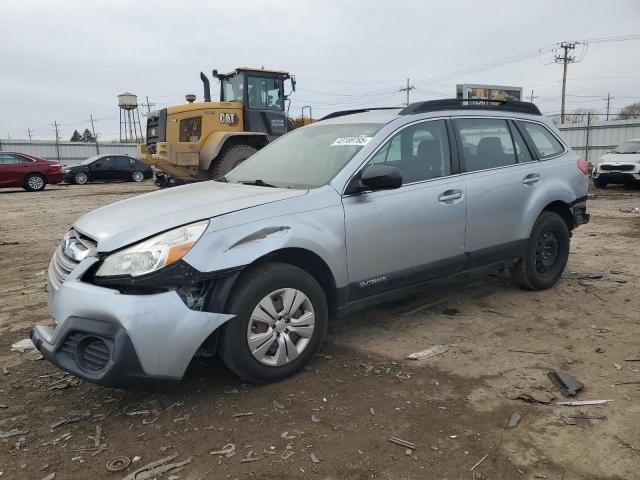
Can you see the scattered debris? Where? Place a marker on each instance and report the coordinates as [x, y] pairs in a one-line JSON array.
[[630, 210], [372, 411], [277, 406], [600, 349], [479, 462], [535, 397], [630, 382], [249, 457], [156, 468], [314, 458], [617, 367], [580, 403], [567, 384], [51, 476], [402, 443], [286, 454], [632, 359], [73, 416], [515, 419], [583, 275], [315, 419], [428, 352], [12, 433], [23, 345], [242, 414], [118, 464]]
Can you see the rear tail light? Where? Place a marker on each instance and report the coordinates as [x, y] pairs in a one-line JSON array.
[[583, 167]]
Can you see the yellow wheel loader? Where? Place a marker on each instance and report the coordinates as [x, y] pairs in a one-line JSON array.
[[204, 140]]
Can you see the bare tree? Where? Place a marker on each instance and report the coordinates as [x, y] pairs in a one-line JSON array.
[[630, 111], [580, 115]]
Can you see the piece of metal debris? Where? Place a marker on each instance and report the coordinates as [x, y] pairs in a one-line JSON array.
[[632, 359], [580, 403], [428, 352], [242, 414], [514, 420], [629, 382], [583, 275], [228, 450], [12, 433], [277, 406], [73, 416], [479, 462], [118, 464], [402, 443], [535, 397], [51, 476], [314, 458], [249, 457], [286, 454], [588, 417], [157, 468], [566, 383]]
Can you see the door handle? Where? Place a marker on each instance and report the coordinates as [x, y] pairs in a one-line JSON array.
[[450, 195], [531, 179]]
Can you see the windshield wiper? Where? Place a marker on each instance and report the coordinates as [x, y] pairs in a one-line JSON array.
[[258, 182], [222, 179]]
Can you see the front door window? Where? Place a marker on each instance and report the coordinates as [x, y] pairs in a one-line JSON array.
[[265, 93]]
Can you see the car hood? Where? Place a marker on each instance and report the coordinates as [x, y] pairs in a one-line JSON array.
[[620, 158], [128, 221]]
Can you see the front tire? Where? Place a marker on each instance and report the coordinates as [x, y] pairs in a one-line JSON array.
[[34, 182], [137, 176], [281, 320], [230, 158], [599, 184], [546, 256]]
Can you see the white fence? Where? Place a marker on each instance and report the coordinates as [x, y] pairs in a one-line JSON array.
[[67, 153], [594, 139]]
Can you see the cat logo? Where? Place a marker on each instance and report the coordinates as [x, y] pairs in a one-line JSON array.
[[229, 118]]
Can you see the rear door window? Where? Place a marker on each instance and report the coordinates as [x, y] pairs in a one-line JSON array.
[[6, 159], [545, 143], [486, 143]]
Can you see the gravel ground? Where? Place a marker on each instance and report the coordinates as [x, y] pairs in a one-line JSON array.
[[334, 420]]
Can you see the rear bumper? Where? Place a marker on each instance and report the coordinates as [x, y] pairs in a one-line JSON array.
[[53, 178], [617, 177], [147, 337], [579, 210]]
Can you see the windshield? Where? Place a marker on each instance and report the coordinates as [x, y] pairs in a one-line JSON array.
[[305, 158], [632, 146], [90, 160]]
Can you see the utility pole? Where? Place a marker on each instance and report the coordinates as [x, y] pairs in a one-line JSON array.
[[29, 133], [565, 59], [95, 137], [149, 105], [55, 125], [609, 97], [407, 89], [532, 97]]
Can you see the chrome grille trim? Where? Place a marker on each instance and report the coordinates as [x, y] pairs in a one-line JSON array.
[[62, 264]]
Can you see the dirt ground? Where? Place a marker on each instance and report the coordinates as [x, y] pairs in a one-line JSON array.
[[334, 420]]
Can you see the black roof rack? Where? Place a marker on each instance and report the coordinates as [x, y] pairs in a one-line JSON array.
[[471, 104], [342, 113]]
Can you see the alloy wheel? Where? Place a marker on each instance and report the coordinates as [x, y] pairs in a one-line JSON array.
[[81, 178], [281, 327], [137, 176], [35, 182]]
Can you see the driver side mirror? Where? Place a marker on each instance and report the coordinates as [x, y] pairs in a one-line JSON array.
[[379, 177]]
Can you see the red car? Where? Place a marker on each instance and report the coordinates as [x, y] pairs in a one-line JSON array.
[[26, 171]]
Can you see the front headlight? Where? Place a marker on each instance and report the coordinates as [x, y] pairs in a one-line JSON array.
[[154, 253]]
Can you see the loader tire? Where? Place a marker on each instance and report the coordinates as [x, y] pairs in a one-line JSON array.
[[230, 158]]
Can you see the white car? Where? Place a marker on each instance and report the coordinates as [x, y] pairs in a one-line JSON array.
[[621, 165]]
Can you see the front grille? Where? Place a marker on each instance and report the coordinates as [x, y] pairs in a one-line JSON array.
[[62, 264], [618, 168]]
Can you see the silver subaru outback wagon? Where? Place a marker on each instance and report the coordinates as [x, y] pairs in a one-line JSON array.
[[358, 208]]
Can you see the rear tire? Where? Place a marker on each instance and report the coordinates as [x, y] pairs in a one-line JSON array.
[[81, 178], [34, 182], [251, 343], [599, 184], [230, 158], [546, 256]]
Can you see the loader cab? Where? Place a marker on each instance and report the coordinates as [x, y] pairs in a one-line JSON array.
[[262, 94]]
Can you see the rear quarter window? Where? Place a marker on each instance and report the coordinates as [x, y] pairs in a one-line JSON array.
[[545, 143]]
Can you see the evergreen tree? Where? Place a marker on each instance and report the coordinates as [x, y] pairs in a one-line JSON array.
[[87, 137], [76, 137]]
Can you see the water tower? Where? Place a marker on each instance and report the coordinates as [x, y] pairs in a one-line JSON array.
[[130, 127]]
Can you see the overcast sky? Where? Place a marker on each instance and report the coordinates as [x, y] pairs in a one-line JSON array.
[[64, 60]]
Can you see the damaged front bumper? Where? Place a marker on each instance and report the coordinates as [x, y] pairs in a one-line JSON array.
[[116, 339]]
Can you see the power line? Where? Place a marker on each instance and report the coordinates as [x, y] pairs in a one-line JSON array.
[[407, 89], [565, 59]]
